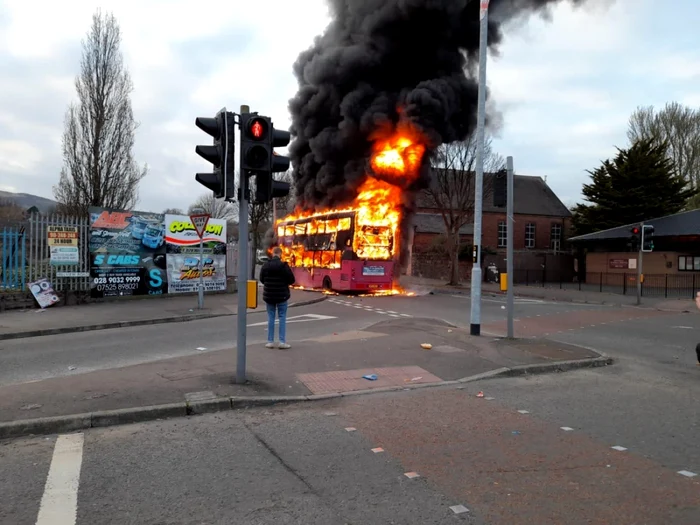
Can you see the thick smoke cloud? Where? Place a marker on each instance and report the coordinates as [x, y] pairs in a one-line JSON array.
[[381, 61]]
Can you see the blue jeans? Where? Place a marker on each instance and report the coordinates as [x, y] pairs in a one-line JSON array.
[[281, 310]]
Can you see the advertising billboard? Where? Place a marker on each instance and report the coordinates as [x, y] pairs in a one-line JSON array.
[[127, 253], [182, 246]]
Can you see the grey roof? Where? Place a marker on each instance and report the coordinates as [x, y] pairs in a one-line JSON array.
[[433, 223], [531, 196], [684, 223]]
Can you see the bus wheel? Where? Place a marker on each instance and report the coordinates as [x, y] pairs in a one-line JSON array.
[[327, 285]]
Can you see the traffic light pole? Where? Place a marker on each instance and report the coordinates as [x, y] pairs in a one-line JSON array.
[[242, 272], [640, 257]]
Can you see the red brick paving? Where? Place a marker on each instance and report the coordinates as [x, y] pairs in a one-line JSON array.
[[542, 475], [549, 324], [349, 380]]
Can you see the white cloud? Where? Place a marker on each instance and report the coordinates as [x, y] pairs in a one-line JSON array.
[[565, 86], [17, 156]]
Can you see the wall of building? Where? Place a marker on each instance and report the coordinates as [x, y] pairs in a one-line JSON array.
[[618, 262], [543, 228]]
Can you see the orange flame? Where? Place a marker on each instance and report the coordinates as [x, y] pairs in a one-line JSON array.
[[395, 163]]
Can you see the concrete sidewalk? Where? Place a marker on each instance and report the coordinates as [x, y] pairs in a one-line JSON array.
[[16, 324], [421, 284], [331, 365]]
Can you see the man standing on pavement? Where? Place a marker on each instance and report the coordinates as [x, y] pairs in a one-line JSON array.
[[277, 277]]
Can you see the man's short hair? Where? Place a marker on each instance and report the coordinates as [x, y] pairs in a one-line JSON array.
[[277, 251]]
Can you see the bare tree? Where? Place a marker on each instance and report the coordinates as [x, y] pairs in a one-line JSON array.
[[10, 211], [452, 190], [217, 208], [173, 211], [679, 127], [98, 163]]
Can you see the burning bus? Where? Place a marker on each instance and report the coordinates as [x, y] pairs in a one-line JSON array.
[[356, 248], [337, 251]]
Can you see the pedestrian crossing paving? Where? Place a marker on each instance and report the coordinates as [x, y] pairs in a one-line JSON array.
[[358, 305]]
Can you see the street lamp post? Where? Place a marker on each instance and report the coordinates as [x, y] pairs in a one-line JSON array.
[[476, 277]]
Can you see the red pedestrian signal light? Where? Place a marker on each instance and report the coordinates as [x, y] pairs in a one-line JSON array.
[[635, 231], [257, 129]]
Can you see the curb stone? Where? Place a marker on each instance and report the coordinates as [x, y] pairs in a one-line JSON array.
[[106, 418], [573, 300], [139, 322]]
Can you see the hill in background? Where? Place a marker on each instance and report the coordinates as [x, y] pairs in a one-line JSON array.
[[26, 201]]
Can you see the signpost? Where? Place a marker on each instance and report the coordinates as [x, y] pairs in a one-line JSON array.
[[200, 221]]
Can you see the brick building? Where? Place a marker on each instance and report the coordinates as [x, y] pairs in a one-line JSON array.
[[542, 223], [606, 256]]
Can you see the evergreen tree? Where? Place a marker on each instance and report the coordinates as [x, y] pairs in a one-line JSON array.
[[639, 183]]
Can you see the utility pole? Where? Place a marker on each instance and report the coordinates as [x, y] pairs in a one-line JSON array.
[[476, 278], [640, 273], [510, 300], [242, 270]]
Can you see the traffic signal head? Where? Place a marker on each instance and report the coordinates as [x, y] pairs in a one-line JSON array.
[[258, 158], [220, 154], [647, 238], [255, 143], [634, 238]]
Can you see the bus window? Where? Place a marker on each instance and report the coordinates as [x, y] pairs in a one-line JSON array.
[[344, 224], [280, 231]]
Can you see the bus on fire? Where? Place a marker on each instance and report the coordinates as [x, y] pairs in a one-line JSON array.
[[334, 252]]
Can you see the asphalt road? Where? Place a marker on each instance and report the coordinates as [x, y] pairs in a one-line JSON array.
[[551, 463], [319, 464], [38, 358]]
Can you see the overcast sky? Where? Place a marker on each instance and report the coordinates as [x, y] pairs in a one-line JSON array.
[[565, 87]]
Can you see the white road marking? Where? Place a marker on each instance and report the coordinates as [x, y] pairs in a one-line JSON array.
[[684, 327], [687, 473], [404, 315], [59, 504], [299, 319], [392, 315], [566, 429], [390, 312], [350, 429], [619, 448], [523, 411]]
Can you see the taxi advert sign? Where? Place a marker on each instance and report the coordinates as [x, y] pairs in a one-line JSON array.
[[200, 222]]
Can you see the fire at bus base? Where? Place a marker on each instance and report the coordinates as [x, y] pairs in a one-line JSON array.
[[356, 248]]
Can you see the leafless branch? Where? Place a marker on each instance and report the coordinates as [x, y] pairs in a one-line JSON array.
[[452, 189], [98, 164], [679, 127], [217, 208]]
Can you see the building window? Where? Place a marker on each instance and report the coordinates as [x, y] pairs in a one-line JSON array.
[[502, 234], [530, 235], [555, 237], [686, 263]]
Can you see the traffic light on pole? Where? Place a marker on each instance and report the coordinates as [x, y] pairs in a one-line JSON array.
[[258, 158], [647, 238], [221, 154], [635, 232]]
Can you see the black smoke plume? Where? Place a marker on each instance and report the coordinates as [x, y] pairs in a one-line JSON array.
[[381, 62]]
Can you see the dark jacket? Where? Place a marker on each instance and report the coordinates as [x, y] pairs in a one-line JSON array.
[[276, 277]]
